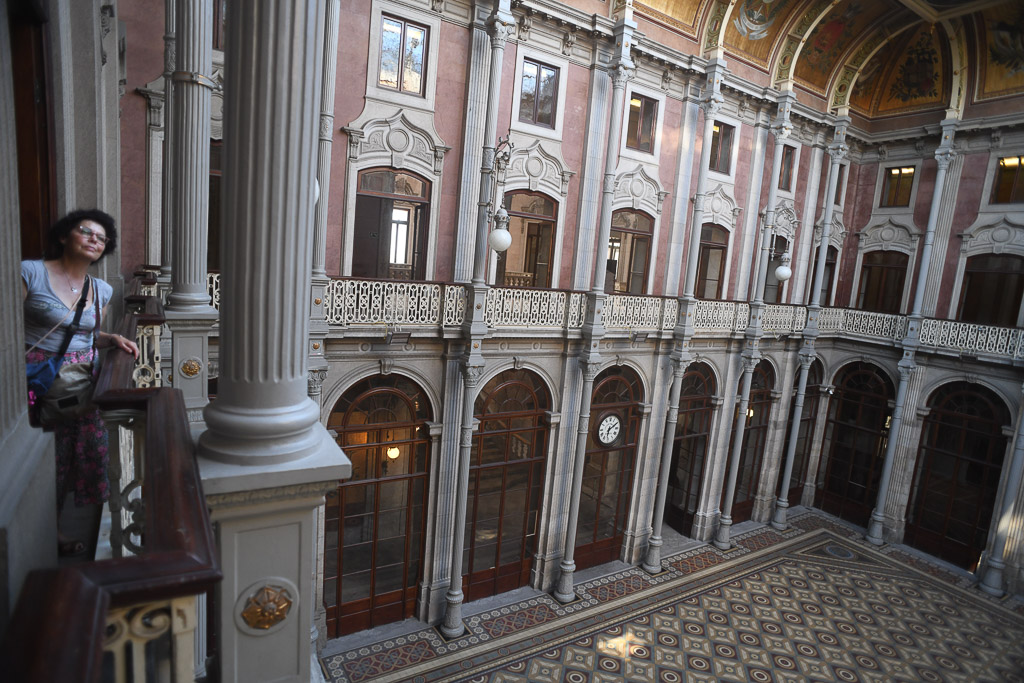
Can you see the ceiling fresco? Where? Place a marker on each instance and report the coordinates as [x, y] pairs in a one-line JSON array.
[[1001, 47], [882, 57]]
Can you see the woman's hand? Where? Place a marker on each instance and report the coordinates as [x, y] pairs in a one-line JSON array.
[[123, 343]]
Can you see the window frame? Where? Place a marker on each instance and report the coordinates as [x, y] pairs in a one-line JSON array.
[[374, 90], [1018, 181], [534, 130], [406, 24], [625, 151], [519, 100], [638, 234], [884, 186], [714, 165], [839, 199], [645, 104], [794, 166], [701, 261]]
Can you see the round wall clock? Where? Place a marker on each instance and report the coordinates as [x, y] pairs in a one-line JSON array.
[[608, 429]]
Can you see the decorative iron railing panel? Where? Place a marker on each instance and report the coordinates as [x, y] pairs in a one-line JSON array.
[[213, 288], [783, 319], [525, 308], [455, 298], [369, 302], [720, 316], [669, 313], [577, 310], [972, 338], [886, 326], [632, 312]]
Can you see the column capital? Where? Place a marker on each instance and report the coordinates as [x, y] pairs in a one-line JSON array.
[[838, 151], [944, 157], [712, 103], [621, 74]]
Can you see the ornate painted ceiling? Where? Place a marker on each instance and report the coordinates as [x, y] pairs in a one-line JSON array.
[[880, 58]]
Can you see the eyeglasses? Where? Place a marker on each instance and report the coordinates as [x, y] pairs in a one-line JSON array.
[[90, 234]]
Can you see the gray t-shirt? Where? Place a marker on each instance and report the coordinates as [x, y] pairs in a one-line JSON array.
[[44, 309]]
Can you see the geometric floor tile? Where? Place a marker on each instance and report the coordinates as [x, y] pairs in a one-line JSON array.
[[820, 606]]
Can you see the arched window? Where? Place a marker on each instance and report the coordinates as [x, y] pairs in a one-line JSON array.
[[831, 256], [690, 448], [506, 477], [759, 411], [882, 275], [984, 276], [805, 435], [629, 249], [375, 521], [855, 438], [391, 225], [714, 244], [608, 466], [527, 263], [956, 477]]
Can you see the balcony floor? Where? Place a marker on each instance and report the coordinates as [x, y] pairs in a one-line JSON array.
[[813, 602]]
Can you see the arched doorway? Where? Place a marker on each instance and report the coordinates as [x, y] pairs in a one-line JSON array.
[[759, 412], [956, 478], [391, 225], [374, 522], [855, 433], [527, 262], [608, 466], [690, 447], [506, 478], [804, 436]]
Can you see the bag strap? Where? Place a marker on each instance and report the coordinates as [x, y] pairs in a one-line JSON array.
[[75, 326]]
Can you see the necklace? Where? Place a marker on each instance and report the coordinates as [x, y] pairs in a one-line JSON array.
[[73, 289]]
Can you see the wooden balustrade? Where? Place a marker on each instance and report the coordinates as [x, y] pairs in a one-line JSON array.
[[67, 621]]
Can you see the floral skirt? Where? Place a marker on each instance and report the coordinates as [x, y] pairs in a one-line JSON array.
[[80, 445]]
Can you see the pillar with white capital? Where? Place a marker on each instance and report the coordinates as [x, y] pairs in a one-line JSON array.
[[265, 458]]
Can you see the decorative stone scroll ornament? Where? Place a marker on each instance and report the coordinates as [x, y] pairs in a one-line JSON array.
[[531, 166], [720, 208], [398, 142], [637, 189], [786, 219]]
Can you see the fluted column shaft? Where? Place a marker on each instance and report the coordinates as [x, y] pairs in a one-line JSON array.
[[564, 589], [272, 100], [167, 176], [837, 151], [193, 84], [907, 366], [500, 24], [452, 626], [323, 171], [621, 75], [992, 580], [652, 561], [722, 535]]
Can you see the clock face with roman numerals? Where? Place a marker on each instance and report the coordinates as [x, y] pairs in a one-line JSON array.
[[608, 429]]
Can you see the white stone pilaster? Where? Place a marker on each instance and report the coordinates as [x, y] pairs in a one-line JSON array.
[[266, 460]]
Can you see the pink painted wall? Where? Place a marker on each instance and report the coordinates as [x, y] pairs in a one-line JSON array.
[[145, 61]]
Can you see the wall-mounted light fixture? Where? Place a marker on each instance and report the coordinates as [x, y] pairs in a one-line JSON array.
[[393, 453]]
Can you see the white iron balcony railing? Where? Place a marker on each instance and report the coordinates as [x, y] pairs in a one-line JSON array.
[[427, 304], [847, 321], [972, 339]]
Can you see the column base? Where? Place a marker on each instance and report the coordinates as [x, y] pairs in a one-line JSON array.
[[874, 534], [452, 626], [564, 592], [992, 581], [779, 517], [722, 540], [243, 436], [652, 562]]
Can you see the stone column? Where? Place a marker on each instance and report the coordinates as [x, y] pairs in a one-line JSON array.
[[167, 177], [564, 591], [452, 626], [318, 328], [992, 579], [189, 314], [751, 352], [943, 156], [807, 354], [266, 460], [652, 561]]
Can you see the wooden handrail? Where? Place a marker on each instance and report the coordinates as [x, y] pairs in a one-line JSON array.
[[57, 629]]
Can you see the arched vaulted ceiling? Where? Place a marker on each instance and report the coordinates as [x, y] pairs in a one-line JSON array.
[[877, 58]]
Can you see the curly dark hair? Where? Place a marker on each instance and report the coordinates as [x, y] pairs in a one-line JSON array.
[[60, 230]]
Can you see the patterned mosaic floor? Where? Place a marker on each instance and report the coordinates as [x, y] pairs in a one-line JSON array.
[[813, 603]]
